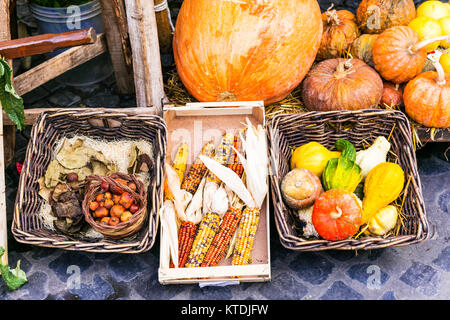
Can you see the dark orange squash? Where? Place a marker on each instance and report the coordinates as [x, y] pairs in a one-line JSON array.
[[399, 55], [339, 31], [427, 98], [337, 214], [375, 16], [340, 84], [247, 49]]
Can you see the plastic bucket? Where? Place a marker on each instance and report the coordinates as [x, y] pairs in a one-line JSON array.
[[57, 20]]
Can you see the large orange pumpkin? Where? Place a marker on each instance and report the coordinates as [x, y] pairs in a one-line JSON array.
[[247, 49], [375, 16], [340, 84], [427, 98]]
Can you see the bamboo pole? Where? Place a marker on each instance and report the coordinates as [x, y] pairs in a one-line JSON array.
[[4, 35]]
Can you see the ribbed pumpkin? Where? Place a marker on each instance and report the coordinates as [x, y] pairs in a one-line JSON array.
[[375, 16], [427, 98], [339, 31], [341, 84], [337, 214], [361, 48], [247, 49], [399, 55]]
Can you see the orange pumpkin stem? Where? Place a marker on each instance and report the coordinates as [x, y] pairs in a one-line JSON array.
[[424, 43]]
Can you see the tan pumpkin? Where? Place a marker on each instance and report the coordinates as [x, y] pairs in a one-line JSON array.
[[375, 16], [245, 50], [339, 31], [427, 98], [361, 48], [340, 84], [399, 55]]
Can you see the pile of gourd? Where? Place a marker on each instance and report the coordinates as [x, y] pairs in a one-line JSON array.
[[335, 194], [388, 53]]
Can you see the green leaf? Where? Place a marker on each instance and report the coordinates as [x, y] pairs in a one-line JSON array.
[[14, 278], [10, 101]]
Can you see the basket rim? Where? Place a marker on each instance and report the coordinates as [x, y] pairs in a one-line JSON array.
[[153, 122], [297, 243]]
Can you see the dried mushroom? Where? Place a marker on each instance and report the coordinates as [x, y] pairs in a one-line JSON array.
[[66, 206], [144, 163]]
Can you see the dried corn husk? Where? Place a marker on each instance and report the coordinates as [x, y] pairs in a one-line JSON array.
[[194, 211], [169, 235], [181, 198], [230, 178]]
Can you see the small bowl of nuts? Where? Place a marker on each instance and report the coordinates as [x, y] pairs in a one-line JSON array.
[[115, 205]]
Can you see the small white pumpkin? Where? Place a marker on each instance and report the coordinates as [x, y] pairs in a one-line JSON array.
[[377, 153]]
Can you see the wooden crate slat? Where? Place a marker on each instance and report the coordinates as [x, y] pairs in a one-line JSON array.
[[57, 65]]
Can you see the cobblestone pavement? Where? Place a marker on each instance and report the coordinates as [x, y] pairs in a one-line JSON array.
[[414, 272]]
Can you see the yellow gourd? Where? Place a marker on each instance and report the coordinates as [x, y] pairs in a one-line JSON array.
[[445, 62], [445, 28], [383, 221], [312, 156], [383, 184], [427, 28], [433, 9]]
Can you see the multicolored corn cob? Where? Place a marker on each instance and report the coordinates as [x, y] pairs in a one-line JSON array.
[[246, 236], [186, 235], [205, 235], [197, 170], [223, 237], [235, 163], [222, 154]]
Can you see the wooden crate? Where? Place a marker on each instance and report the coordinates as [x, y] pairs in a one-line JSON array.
[[196, 124]]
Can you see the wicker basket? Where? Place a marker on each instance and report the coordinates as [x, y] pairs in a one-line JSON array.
[[123, 229], [51, 126], [286, 131]]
